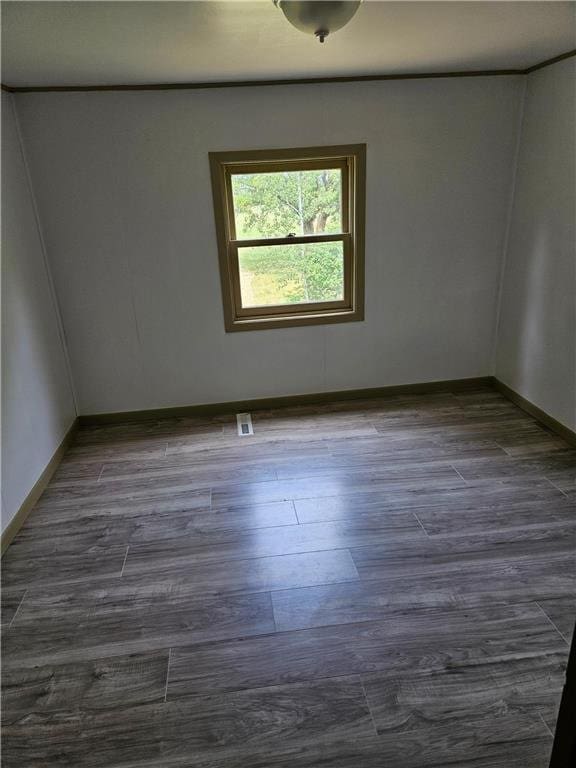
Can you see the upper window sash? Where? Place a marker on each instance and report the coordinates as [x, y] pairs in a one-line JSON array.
[[290, 166]]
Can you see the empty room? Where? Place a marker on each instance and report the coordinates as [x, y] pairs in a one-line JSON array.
[[288, 408]]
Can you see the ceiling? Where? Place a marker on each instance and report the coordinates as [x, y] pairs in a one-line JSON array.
[[107, 43]]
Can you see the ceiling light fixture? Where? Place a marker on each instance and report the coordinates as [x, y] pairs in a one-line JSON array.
[[318, 17]]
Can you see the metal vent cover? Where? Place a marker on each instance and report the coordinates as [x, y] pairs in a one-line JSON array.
[[244, 422]]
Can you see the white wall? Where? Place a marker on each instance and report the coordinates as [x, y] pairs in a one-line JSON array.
[[122, 181], [536, 352], [37, 401]]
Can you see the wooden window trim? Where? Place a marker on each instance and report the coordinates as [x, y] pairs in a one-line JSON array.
[[351, 159]]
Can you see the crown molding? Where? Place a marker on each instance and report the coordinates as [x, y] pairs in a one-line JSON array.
[[548, 62], [290, 81]]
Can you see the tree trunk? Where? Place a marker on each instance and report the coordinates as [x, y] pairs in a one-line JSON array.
[[316, 225], [303, 224], [320, 225]]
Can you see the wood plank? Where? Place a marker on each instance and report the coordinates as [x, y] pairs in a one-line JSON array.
[[191, 475], [539, 466], [467, 586], [387, 457], [245, 450], [467, 700], [224, 546], [257, 574], [154, 526], [188, 728], [513, 515], [529, 750], [444, 554], [46, 514], [344, 483], [120, 681], [229, 440], [10, 600], [450, 496], [395, 645], [541, 443], [562, 613], [114, 451], [73, 471], [151, 429], [565, 480], [126, 617], [118, 491], [57, 565]]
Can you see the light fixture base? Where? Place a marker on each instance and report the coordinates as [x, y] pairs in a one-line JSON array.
[[318, 17]]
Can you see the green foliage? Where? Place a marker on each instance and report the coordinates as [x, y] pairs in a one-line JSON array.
[[289, 274], [274, 205]]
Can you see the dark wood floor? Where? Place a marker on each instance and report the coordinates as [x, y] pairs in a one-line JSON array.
[[372, 584]]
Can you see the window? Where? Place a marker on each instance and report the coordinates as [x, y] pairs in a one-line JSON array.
[[290, 227]]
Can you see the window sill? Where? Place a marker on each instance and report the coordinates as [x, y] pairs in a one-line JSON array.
[[291, 321]]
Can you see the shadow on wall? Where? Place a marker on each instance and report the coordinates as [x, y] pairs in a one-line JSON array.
[[37, 401], [542, 361]]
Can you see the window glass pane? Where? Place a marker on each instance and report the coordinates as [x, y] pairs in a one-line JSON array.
[[276, 204], [291, 274]]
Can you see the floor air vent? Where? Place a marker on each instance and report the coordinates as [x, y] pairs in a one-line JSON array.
[[244, 421]]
